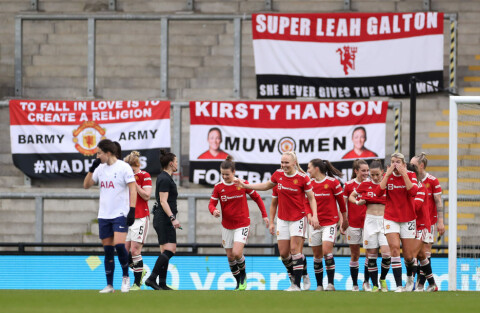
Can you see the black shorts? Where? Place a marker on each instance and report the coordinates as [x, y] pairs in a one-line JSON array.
[[166, 233]]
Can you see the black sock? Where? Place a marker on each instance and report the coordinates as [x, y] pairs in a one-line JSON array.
[[330, 266], [409, 266], [161, 261], [427, 270], [109, 263], [137, 269], [130, 260], [397, 270], [318, 269], [122, 255], [235, 271], [297, 260], [386, 261], [373, 269], [305, 267], [288, 262], [162, 276], [241, 268], [366, 275], [354, 272]]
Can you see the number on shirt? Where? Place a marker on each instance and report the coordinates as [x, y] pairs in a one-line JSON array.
[[301, 224], [140, 232], [411, 226], [332, 230], [245, 231]]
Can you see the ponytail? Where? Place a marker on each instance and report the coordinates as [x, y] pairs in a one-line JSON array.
[[228, 164], [326, 168]]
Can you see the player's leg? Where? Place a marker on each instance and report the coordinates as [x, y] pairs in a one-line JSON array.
[[106, 235], [315, 242], [408, 236], [120, 230], [227, 242], [354, 242], [297, 258], [240, 239], [386, 256], [329, 234], [392, 232], [372, 255], [168, 245], [283, 242], [137, 233], [371, 243]]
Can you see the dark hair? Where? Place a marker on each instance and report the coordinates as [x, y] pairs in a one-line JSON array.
[[376, 164], [228, 164], [166, 158], [356, 166], [422, 158], [326, 168], [413, 168], [362, 128], [218, 130], [106, 145]]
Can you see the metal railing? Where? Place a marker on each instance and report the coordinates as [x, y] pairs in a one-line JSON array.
[[192, 217]]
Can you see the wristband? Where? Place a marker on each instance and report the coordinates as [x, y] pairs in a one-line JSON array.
[[172, 217]]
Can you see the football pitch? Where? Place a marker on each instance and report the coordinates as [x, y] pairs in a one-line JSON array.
[[52, 301]]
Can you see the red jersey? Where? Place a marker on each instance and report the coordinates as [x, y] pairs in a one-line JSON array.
[[328, 193], [365, 154], [233, 203], [207, 155], [421, 208], [400, 206], [291, 194], [144, 180], [366, 190], [356, 213], [432, 185]]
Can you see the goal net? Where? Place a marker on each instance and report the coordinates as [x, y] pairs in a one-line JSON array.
[[464, 194]]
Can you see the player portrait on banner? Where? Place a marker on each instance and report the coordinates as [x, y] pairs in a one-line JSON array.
[[214, 139], [359, 151]]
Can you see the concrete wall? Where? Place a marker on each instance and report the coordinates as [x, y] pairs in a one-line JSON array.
[[200, 67]]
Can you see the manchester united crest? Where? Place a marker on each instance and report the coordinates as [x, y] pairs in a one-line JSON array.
[[347, 57], [86, 137]]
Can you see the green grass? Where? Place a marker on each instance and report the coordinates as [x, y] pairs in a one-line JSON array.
[[38, 301]]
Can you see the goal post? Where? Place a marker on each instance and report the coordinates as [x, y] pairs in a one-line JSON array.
[[453, 172]]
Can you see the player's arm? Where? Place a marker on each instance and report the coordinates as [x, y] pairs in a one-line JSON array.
[[383, 183], [166, 208], [313, 207], [259, 186], [88, 180], [145, 192], [343, 210], [439, 205], [258, 200], [212, 207], [273, 212]]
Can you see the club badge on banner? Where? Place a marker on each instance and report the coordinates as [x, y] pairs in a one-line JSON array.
[[55, 138], [347, 55], [256, 133]]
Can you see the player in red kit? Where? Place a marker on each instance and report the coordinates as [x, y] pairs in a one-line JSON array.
[[423, 226], [271, 228], [235, 218], [293, 184], [328, 193], [137, 233], [400, 185], [435, 206], [356, 219], [373, 231]]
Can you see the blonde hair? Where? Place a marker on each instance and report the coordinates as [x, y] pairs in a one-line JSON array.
[[295, 160], [133, 159], [398, 155], [422, 158]]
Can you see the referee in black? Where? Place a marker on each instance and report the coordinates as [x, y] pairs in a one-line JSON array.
[[164, 220]]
